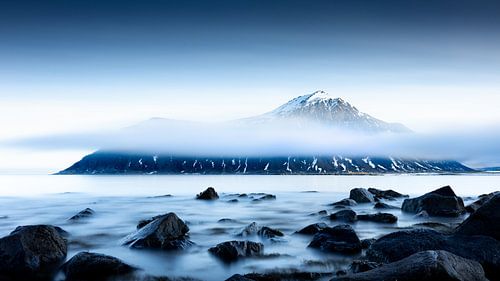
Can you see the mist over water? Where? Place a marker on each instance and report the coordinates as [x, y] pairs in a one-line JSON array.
[[120, 202]]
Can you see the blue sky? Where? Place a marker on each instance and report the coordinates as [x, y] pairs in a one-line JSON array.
[[80, 65]]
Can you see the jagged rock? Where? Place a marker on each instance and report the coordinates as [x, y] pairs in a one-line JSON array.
[[340, 239], [93, 267], [484, 221], [166, 232], [313, 228], [249, 230], [366, 243], [379, 217], [362, 266], [386, 194], [426, 265], [361, 195], [380, 205], [82, 214], [345, 202], [32, 252], [233, 250], [398, 245], [208, 194], [471, 208], [440, 202], [344, 216], [268, 232]]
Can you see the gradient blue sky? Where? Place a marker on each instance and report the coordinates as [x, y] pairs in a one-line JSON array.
[[83, 65]]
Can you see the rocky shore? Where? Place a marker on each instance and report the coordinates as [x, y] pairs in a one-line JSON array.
[[426, 251]]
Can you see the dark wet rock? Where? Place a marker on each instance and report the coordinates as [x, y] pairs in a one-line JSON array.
[[320, 213], [439, 227], [341, 272], [361, 195], [161, 196], [471, 208], [313, 228], [380, 205], [32, 252], [426, 265], [93, 267], [285, 275], [208, 194], [160, 278], [362, 266], [484, 221], [233, 201], [344, 216], [422, 215], [379, 217], [440, 202], [82, 214], [398, 245], [243, 195], [233, 250], [268, 232], [167, 232], [340, 239], [386, 194], [265, 197], [366, 243], [345, 202], [249, 230], [226, 220]]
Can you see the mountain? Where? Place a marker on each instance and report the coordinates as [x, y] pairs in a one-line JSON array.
[[316, 109]]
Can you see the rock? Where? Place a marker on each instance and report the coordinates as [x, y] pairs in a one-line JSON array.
[[361, 195], [439, 227], [380, 205], [238, 277], [226, 220], [366, 243], [93, 267], [268, 232], [233, 250], [166, 232], [440, 202], [32, 252], [265, 197], [471, 208], [313, 228], [401, 244], [484, 221], [320, 213], [362, 266], [379, 217], [422, 215], [344, 215], [249, 230], [426, 265], [82, 214], [208, 194], [386, 194], [345, 202], [233, 201], [287, 275], [340, 239]]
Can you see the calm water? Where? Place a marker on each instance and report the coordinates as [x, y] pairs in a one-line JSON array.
[[121, 201]]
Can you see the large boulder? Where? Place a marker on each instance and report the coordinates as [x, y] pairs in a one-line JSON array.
[[339, 239], [379, 217], [31, 252], [484, 221], [361, 195], [208, 194], [86, 266], [471, 208], [313, 228], [167, 232], [233, 250], [425, 265], [401, 244], [386, 194], [344, 216], [440, 202]]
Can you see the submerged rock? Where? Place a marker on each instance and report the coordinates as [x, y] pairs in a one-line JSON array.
[[94, 267], [233, 250], [386, 194], [361, 195], [379, 217], [380, 205], [82, 214], [398, 245], [313, 228], [249, 230], [345, 202], [425, 265], [440, 202], [208, 194], [484, 221], [167, 232], [344, 216], [32, 252], [288, 275], [268, 232], [340, 239]]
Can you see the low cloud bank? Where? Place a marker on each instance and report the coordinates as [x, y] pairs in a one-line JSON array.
[[478, 147]]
